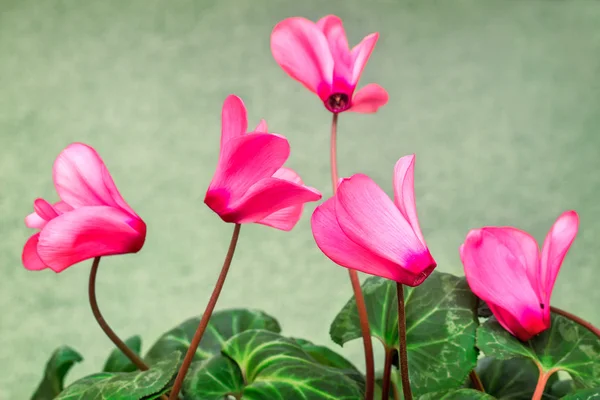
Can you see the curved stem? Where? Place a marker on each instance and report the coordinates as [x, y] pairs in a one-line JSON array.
[[189, 356], [402, 340], [135, 359], [577, 320], [387, 371], [476, 381], [358, 295]]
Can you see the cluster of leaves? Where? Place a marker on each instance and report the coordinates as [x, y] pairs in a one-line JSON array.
[[243, 355]]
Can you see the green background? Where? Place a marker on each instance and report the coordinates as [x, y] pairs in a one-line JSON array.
[[499, 99]]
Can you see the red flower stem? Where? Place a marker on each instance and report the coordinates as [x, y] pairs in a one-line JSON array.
[[576, 319], [542, 381], [402, 340], [387, 371], [107, 329], [189, 356], [134, 358], [476, 381], [358, 295]]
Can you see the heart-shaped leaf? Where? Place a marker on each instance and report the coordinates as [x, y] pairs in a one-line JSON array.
[[57, 368], [440, 323], [124, 385], [258, 365], [565, 346], [461, 394], [586, 394], [514, 379], [222, 326], [118, 362]]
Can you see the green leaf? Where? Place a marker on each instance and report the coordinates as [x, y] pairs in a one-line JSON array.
[[461, 394], [327, 357], [260, 365], [586, 394], [441, 323], [213, 379], [222, 326], [513, 379], [118, 362], [57, 368], [124, 385], [565, 346]]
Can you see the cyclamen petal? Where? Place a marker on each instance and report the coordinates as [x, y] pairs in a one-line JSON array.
[[81, 179], [503, 267], [250, 185], [89, 232], [361, 228]]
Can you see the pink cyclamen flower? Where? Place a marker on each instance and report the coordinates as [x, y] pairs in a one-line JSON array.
[[318, 56], [504, 268], [250, 184], [91, 219], [363, 229]]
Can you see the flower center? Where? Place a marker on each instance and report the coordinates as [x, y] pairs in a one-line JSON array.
[[338, 102]]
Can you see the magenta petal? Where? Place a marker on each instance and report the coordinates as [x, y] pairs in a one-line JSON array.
[[368, 99], [267, 197], [525, 249], [535, 320], [404, 192], [261, 127], [498, 276], [31, 259], [35, 221], [360, 55], [285, 219], [234, 121], [370, 219], [81, 179], [89, 232], [44, 209], [301, 49], [340, 249], [333, 29], [248, 159], [556, 245]]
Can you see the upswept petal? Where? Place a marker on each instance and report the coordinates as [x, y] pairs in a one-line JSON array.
[[370, 219], [404, 192], [234, 119], [556, 245], [267, 196], [340, 249], [35, 221], [81, 179], [89, 232], [525, 249], [286, 218], [360, 55], [30, 258], [44, 209], [333, 29], [261, 127], [301, 49], [248, 159], [497, 277], [368, 99]]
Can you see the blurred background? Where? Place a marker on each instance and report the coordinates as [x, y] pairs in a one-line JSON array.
[[499, 99]]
